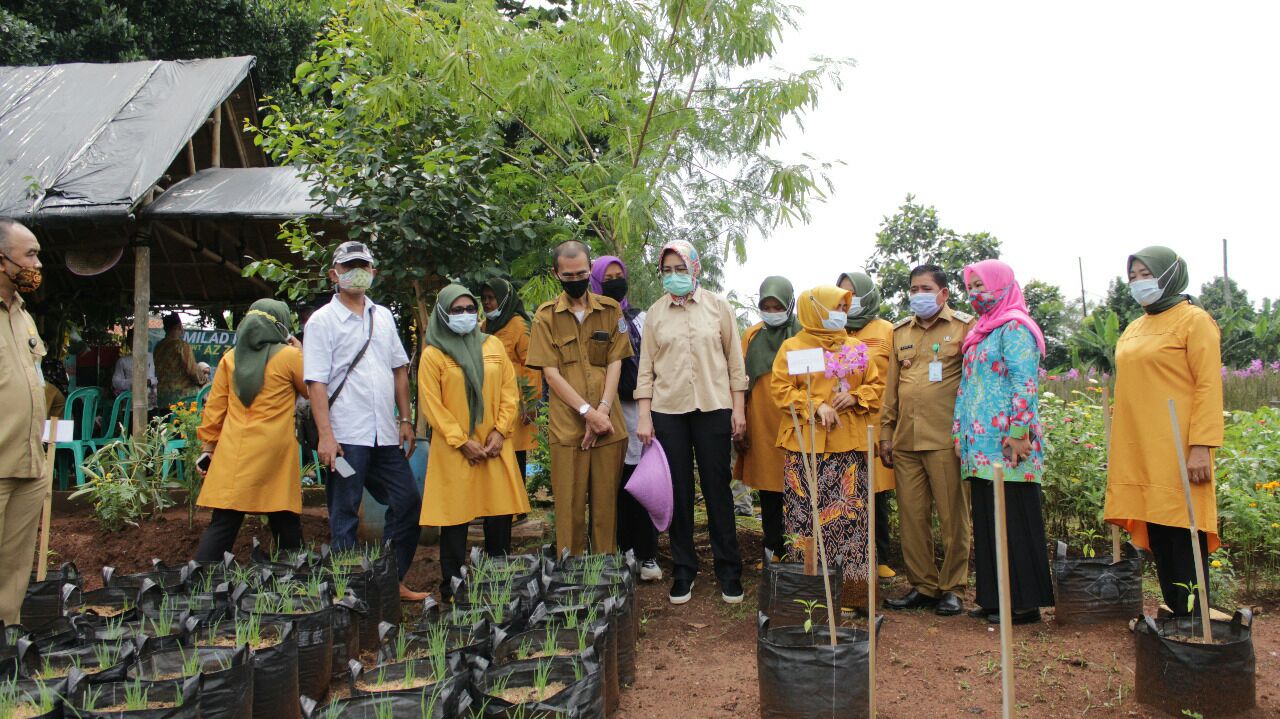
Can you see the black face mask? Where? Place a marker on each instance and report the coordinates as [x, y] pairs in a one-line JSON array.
[[575, 288], [615, 289]]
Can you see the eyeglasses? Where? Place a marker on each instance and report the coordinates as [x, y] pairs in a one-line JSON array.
[[463, 310], [580, 275], [677, 270]]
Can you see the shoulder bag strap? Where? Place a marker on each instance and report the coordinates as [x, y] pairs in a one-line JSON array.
[[334, 397]]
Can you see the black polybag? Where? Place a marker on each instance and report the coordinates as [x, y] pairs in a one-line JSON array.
[[226, 677], [21, 659], [607, 657], [34, 692], [444, 700], [275, 668], [365, 680], [59, 662], [49, 599], [581, 698], [313, 627], [784, 588], [802, 676], [169, 579], [1174, 674], [1089, 590], [108, 694], [400, 643], [348, 615]]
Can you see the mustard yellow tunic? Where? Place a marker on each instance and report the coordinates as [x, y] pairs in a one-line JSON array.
[[255, 467], [878, 336], [761, 465], [515, 339], [867, 387], [1172, 355], [455, 491]]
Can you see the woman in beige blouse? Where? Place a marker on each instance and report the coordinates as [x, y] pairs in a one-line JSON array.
[[691, 388]]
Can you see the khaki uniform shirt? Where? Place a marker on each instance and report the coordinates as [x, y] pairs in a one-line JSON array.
[[21, 393], [691, 356], [918, 413], [581, 352]]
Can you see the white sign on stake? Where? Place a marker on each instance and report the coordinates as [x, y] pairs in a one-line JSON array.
[[805, 361], [66, 430]]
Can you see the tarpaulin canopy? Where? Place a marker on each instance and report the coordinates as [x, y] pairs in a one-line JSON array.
[[87, 142], [258, 193]]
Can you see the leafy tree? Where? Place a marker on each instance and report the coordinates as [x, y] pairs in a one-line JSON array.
[[1049, 310], [1120, 302], [1213, 298], [913, 236], [458, 135], [277, 32]]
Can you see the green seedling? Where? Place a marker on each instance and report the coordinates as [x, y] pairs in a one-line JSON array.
[[384, 710], [541, 676], [438, 650], [550, 640], [249, 630], [810, 605], [135, 696], [525, 649]]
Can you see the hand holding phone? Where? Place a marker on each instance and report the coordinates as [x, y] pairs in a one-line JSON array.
[[202, 464], [343, 467]]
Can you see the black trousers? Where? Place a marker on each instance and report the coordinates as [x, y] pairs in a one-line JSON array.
[[220, 536], [453, 547], [706, 436], [882, 527], [771, 519], [1030, 586], [1175, 564], [522, 458], [635, 529]]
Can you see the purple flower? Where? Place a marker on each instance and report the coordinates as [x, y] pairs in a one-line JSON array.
[[1275, 367], [1073, 373], [1093, 371], [1045, 373]]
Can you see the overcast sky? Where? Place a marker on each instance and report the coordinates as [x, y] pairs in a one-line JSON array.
[[1065, 129]]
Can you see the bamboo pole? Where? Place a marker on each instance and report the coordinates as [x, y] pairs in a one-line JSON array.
[[1201, 580], [1002, 582], [46, 514], [141, 310], [215, 139], [1106, 433], [812, 483], [871, 573]]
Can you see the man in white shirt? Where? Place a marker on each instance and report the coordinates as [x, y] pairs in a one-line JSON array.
[[369, 424], [122, 377]]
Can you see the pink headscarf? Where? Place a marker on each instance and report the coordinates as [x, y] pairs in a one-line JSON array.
[[1011, 307]]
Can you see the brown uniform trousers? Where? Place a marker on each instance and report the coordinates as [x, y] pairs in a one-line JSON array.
[[917, 415], [581, 352]]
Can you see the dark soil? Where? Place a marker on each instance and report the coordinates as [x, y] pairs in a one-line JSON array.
[[700, 657]]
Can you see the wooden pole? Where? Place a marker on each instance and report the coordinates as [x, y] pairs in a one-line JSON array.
[[141, 310], [813, 492], [1002, 582], [42, 568], [1201, 580], [812, 483], [1226, 279], [871, 573], [1084, 304], [215, 139], [191, 158], [1106, 433]]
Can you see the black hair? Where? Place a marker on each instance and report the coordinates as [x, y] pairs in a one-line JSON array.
[[569, 248], [171, 321], [938, 274]]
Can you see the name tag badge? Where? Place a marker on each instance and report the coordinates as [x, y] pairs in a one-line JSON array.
[[935, 371]]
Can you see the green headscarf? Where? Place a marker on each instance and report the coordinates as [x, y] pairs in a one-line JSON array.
[[466, 349], [1170, 270], [864, 288], [509, 305], [764, 346], [260, 335]]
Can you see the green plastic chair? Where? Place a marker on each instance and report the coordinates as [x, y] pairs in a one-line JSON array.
[[203, 395], [81, 408], [117, 423]]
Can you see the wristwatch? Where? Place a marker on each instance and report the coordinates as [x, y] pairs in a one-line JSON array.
[[584, 409]]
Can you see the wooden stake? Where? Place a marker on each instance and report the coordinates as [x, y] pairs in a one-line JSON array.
[[215, 139], [46, 517], [871, 573], [1106, 433], [1002, 582], [1202, 581], [812, 483], [141, 307]]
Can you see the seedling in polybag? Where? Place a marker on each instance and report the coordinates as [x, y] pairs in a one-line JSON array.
[[41, 702], [541, 675], [550, 644], [191, 664], [1087, 539], [584, 633], [809, 606], [135, 696], [249, 630], [438, 646], [106, 654], [384, 709]]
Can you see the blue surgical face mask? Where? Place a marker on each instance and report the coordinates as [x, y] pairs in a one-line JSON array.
[[1148, 291], [463, 324], [835, 320], [677, 284], [925, 305], [775, 319]]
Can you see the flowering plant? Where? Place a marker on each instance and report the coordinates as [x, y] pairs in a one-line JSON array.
[[845, 362]]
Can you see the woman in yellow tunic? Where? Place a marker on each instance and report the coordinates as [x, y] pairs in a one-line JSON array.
[[866, 326], [506, 319], [844, 403], [248, 434], [760, 461], [1171, 352], [467, 389]]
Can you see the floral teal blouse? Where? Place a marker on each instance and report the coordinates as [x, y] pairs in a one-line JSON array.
[[999, 397]]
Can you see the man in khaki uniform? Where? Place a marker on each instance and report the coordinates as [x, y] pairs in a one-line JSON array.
[[579, 340], [22, 483], [915, 440]]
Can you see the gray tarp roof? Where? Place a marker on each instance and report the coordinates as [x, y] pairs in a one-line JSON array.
[[259, 193], [86, 141]]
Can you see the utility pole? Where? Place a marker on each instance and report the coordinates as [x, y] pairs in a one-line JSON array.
[[1226, 280], [1084, 305]]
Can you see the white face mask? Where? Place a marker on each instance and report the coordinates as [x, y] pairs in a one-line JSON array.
[[494, 314], [835, 320], [1145, 292], [855, 306], [775, 319], [925, 305], [463, 324]]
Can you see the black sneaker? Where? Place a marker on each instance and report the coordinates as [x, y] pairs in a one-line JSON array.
[[731, 591], [681, 591]]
